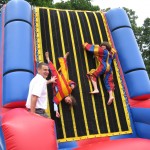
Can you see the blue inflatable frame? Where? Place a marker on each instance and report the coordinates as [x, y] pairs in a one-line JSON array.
[[18, 63]]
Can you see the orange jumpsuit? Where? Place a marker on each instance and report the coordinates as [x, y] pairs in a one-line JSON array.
[[62, 87]]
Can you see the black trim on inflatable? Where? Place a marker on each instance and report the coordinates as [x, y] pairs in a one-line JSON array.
[[19, 20], [120, 27], [134, 70], [15, 70]]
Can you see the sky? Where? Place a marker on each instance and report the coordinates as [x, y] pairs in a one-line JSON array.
[[141, 7]]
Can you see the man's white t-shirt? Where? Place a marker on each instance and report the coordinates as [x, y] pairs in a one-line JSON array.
[[38, 87]]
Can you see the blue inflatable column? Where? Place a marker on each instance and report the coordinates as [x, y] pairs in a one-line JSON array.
[[129, 54], [18, 68]]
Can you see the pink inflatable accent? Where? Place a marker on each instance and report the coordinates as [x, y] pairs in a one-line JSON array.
[[25, 131], [81, 143], [121, 144]]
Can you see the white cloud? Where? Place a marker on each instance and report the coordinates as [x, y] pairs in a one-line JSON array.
[[141, 7]]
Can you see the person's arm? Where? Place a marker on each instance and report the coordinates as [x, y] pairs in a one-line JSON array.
[[33, 103], [56, 110], [91, 47], [52, 80], [113, 51], [87, 46]]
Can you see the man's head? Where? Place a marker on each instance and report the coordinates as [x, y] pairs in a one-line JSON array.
[[105, 45], [70, 100], [43, 69]]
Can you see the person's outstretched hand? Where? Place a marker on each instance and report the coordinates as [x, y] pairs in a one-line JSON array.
[[84, 45], [52, 80]]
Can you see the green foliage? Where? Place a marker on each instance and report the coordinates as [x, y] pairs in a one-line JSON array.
[[41, 3], [63, 5], [145, 38], [70, 4], [146, 32], [76, 5], [2, 2]]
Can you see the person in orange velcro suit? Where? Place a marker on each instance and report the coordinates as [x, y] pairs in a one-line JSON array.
[[63, 87]]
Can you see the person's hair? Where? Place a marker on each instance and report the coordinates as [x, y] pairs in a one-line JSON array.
[[108, 47], [73, 103], [41, 64]]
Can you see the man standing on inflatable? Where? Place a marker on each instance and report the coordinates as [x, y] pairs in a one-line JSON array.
[[104, 55], [63, 87]]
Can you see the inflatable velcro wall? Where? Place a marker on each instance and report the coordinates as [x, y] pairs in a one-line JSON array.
[[18, 68], [129, 54]]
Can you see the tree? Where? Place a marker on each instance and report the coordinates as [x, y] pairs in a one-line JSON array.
[[41, 3], [145, 43], [63, 5], [2, 2], [76, 5]]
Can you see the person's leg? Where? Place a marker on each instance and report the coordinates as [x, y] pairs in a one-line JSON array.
[[111, 97], [66, 55], [93, 75], [47, 56], [52, 68], [94, 83], [63, 66], [58, 86], [109, 84]]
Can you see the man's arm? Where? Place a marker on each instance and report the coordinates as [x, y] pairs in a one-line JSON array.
[[33, 103], [52, 80]]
